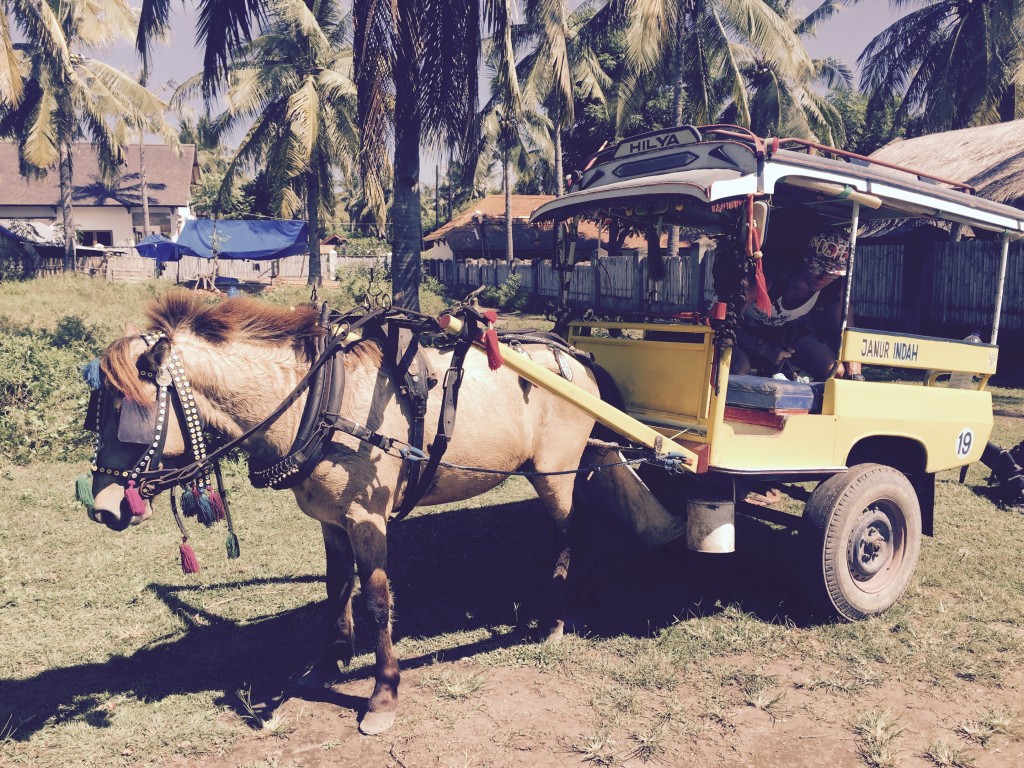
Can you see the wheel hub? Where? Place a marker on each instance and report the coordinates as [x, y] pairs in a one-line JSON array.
[[871, 546]]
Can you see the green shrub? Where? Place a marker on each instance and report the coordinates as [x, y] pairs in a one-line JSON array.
[[509, 296], [72, 330], [42, 400]]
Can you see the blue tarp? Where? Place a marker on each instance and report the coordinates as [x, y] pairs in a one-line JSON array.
[[235, 239], [160, 248]]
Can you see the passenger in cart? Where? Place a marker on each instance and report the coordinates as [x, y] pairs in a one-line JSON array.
[[797, 339]]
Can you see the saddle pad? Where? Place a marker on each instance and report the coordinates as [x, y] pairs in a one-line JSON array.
[[774, 395]]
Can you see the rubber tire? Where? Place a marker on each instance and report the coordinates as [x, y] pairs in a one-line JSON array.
[[871, 495]]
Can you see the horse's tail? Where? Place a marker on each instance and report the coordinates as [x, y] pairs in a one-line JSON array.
[[611, 394]]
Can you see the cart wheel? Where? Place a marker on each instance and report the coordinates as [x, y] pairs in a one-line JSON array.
[[861, 534]]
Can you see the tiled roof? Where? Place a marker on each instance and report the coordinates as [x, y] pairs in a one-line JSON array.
[[491, 208], [168, 178]]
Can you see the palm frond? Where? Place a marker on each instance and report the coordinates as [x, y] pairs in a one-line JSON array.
[[223, 26], [154, 23], [10, 67], [98, 23], [303, 123]]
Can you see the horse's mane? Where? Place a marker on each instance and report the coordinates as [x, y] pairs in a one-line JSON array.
[[241, 317], [218, 323]]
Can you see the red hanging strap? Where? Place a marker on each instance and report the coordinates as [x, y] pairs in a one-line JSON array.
[[761, 299]]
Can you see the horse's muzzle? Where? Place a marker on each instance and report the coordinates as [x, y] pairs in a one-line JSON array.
[[115, 512]]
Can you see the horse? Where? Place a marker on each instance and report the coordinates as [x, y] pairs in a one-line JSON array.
[[242, 356]]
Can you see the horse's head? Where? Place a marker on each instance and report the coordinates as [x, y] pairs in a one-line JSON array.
[[137, 427]]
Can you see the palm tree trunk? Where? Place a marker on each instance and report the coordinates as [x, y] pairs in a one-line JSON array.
[[143, 189], [407, 234], [313, 222], [64, 152], [508, 209], [559, 173], [672, 249]]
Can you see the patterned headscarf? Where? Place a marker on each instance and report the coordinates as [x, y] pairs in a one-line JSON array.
[[828, 253]]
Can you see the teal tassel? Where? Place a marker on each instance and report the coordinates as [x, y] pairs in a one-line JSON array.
[[189, 502], [206, 514], [233, 551], [91, 374], [83, 490]]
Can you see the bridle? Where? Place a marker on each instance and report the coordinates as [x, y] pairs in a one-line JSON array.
[[174, 397]]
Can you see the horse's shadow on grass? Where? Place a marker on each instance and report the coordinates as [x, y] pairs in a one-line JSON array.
[[453, 571]]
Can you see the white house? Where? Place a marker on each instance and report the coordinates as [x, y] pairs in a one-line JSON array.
[[105, 214]]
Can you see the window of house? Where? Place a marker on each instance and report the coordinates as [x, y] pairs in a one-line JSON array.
[[93, 237], [159, 221]]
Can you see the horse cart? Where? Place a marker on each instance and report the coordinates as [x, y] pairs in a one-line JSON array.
[[338, 407], [871, 447]]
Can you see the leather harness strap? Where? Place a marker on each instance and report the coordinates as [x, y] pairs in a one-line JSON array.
[[416, 488]]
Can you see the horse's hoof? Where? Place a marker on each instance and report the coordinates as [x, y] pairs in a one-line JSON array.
[[323, 674], [376, 722]]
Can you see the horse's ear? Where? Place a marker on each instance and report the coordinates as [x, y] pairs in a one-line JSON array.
[[131, 329], [152, 359]]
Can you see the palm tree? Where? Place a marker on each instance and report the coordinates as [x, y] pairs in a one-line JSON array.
[[955, 63], [416, 72], [66, 95], [416, 79], [293, 86], [784, 106], [692, 45], [222, 28], [562, 65]]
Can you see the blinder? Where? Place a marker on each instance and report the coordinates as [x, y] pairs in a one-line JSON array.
[[136, 422]]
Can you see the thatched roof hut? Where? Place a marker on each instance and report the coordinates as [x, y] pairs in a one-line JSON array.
[[990, 158]]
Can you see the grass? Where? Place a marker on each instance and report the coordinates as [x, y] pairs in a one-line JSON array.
[[945, 755], [110, 656], [879, 732]]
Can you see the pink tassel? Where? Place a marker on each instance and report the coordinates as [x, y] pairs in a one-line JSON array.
[[490, 340], [136, 504], [764, 303], [494, 358], [761, 298], [217, 504], [189, 562]]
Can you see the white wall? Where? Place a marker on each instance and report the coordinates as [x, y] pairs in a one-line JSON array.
[[117, 220]]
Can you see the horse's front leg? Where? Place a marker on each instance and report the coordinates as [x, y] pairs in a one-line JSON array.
[[341, 631], [369, 542]]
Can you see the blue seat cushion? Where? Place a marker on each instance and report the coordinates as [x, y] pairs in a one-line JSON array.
[[774, 395]]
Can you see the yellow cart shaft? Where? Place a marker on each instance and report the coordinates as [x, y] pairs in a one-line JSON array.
[[611, 417]]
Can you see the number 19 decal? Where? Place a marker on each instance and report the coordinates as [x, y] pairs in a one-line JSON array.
[[964, 442]]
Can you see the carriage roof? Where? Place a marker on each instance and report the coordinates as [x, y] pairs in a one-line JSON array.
[[715, 164]]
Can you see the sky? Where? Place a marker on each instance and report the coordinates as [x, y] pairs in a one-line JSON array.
[[844, 36]]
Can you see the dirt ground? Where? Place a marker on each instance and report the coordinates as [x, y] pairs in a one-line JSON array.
[[526, 717]]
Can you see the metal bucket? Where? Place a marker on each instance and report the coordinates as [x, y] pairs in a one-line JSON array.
[[710, 525]]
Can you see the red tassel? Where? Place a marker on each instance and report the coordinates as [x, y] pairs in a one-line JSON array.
[[189, 562], [494, 358], [217, 504], [490, 340], [136, 504], [764, 303]]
